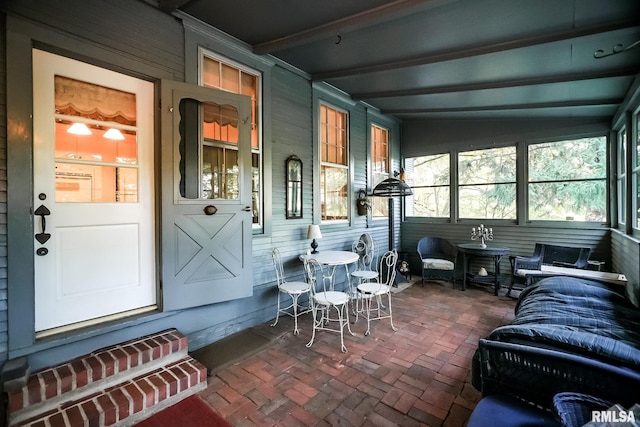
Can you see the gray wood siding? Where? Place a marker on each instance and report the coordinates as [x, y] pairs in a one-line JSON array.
[[3, 196], [520, 240], [625, 256], [136, 39]]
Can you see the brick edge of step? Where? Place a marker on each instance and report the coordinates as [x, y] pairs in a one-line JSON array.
[[131, 401], [49, 388]]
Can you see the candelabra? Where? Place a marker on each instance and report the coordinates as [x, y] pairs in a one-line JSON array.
[[482, 233]]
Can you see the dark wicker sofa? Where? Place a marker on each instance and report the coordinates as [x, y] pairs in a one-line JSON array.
[[569, 335]]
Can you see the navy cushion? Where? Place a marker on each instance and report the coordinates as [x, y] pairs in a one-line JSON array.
[[505, 411]]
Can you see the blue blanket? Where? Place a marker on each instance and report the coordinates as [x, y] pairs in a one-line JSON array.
[[577, 316]]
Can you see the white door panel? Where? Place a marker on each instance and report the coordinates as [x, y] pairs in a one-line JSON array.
[[100, 258]]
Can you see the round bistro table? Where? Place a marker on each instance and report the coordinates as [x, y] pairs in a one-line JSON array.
[[334, 259]]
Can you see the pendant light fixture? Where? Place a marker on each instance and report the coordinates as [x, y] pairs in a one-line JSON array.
[[79, 129], [114, 134]]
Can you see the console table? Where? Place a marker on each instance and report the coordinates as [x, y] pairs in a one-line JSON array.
[[470, 250]]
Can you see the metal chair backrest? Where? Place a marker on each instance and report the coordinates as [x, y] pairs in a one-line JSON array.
[[366, 249], [319, 280], [387, 269], [277, 265]]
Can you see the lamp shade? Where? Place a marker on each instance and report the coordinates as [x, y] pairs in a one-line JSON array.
[[314, 232], [392, 187], [79, 129], [114, 134]]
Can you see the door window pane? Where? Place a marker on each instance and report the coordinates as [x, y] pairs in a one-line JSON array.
[[96, 147], [219, 173]]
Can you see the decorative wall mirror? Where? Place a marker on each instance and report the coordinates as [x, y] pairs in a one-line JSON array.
[[294, 187]]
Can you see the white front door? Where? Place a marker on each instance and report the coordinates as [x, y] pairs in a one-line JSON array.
[[94, 243]]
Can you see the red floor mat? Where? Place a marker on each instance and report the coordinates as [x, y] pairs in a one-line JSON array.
[[190, 412]]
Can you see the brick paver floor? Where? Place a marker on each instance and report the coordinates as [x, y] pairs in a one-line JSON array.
[[418, 375]]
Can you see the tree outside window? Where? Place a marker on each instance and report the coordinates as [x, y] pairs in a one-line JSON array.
[[334, 164], [430, 179], [487, 183], [567, 180]]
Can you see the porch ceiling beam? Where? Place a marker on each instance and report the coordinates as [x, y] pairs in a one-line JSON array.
[[560, 104], [479, 50], [501, 84], [396, 9]]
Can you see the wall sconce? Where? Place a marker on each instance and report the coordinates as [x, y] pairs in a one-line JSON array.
[[363, 203]]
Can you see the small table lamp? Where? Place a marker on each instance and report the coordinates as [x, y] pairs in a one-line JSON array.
[[314, 233]]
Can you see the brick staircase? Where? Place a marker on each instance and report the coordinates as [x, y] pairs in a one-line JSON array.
[[114, 386]]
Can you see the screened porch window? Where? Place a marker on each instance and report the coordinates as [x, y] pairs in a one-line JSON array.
[[487, 183], [430, 179], [567, 180]]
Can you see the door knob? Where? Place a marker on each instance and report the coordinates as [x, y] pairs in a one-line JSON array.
[[210, 210]]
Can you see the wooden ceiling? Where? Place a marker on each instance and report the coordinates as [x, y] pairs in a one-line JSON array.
[[441, 59]]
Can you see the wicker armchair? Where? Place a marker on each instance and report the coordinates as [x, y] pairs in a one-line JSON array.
[[438, 257]]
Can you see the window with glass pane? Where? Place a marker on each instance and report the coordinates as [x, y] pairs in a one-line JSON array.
[[379, 167], [225, 75], [334, 167], [430, 179], [567, 180], [487, 183], [622, 176], [96, 147]]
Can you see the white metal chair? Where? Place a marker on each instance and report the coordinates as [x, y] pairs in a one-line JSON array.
[[371, 293], [368, 262], [324, 301], [293, 289]]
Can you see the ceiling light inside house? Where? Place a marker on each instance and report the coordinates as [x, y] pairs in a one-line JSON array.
[[114, 134], [79, 129]]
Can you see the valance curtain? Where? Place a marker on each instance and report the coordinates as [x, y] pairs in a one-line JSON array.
[[77, 98]]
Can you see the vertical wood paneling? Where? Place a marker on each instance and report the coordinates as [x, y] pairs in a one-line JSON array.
[[3, 195], [625, 255]]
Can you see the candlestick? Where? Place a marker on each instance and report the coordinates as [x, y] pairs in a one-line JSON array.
[[484, 234]]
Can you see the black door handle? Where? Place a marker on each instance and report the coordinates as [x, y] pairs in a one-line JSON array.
[[42, 212]]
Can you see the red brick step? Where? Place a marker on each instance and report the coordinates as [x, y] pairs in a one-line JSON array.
[[117, 385]]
